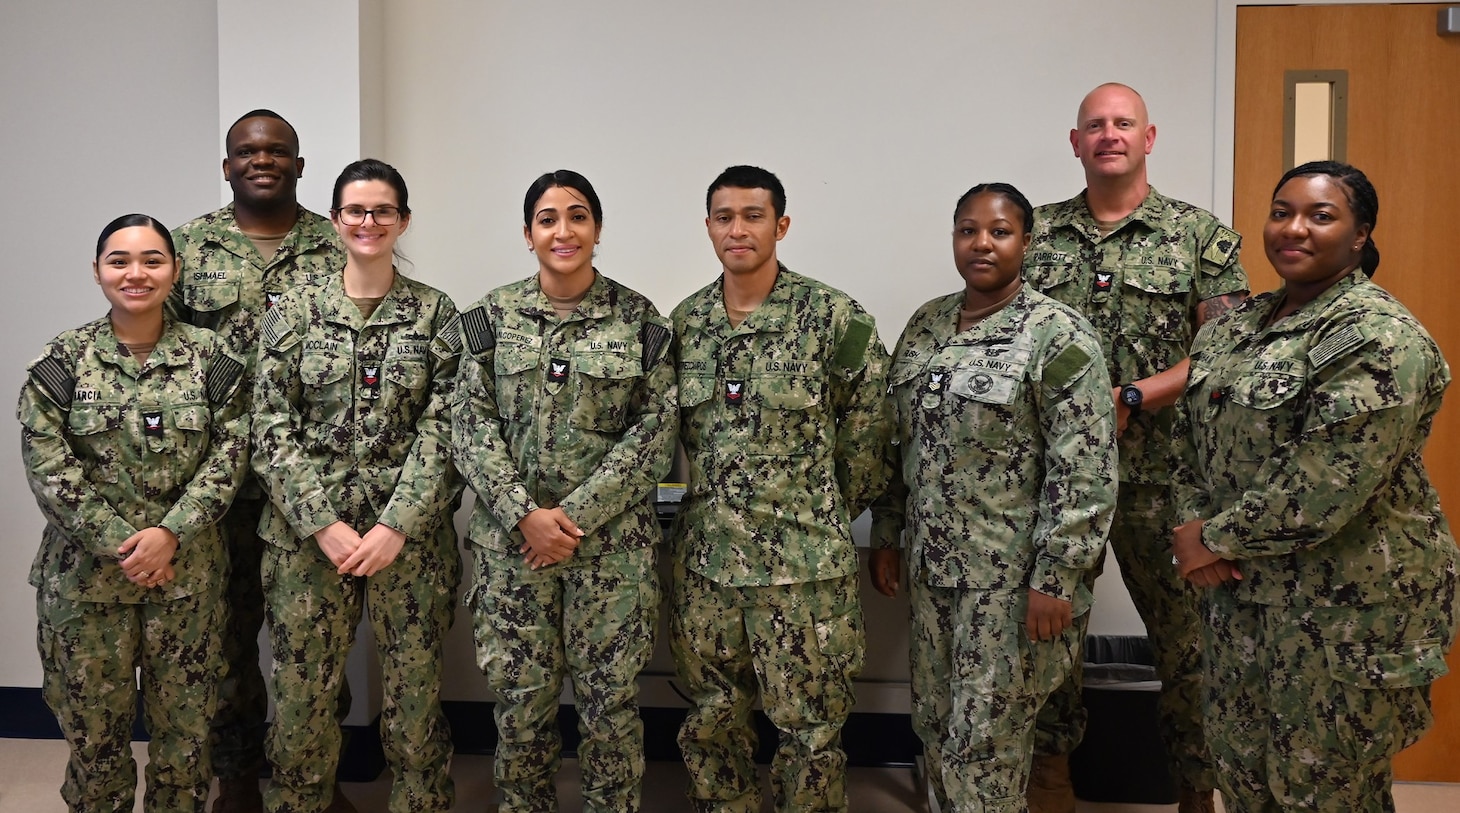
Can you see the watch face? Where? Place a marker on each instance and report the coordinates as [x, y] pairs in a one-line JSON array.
[[1131, 396]]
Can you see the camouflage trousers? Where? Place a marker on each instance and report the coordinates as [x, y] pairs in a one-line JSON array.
[[591, 622], [977, 685], [241, 721], [801, 645], [243, 702], [90, 652], [1306, 706], [313, 613], [1140, 536]]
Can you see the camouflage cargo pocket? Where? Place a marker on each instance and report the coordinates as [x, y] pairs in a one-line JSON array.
[[1381, 695]]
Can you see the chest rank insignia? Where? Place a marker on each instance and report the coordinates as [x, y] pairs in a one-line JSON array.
[[1102, 281], [152, 424], [1217, 397], [271, 299], [734, 393], [935, 382], [557, 370], [370, 381]]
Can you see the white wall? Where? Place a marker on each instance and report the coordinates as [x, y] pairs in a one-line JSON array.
[[876, 116], [108, 108]]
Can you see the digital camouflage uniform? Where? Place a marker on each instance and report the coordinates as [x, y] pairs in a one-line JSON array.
[[578, 413], [110, 448], [784, 422], [1139, 287], [226, 286], [1004, 477], [1304, 457], [351, 424]]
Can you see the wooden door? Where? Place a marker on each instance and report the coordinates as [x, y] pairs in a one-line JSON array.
[[1404, 133]]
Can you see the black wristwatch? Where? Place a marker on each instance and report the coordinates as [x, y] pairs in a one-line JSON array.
[[1131, 396]]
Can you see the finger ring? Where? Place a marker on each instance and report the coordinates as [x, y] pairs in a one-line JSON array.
[[1175, 561], [146, 574]]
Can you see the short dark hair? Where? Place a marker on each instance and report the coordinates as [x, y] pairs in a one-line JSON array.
[[372, 169], [748, 177], [1362, 199], [261, 113], [127, 222], [1009, 192], [568, 179]]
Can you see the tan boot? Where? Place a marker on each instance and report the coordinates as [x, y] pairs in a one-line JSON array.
[[340, 804], [1049, 789], [1196, 801], [238, 796]]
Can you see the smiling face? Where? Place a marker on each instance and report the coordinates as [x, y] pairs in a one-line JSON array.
[[136, 271], [369, 240], [263, 164], [989, 240], [744, 229], [1312, 237], [1112, 135], [563, 232]]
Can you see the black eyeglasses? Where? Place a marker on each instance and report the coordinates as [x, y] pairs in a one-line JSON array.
[[355, 215]]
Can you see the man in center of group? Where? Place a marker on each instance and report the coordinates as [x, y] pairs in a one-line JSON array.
[[781, 383], [235, 264], [1146, 271]]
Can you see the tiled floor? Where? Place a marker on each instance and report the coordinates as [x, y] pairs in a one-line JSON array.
[[30, 773]]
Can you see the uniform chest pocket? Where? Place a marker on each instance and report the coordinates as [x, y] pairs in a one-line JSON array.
[[695, 390], [184, 430], [96, 432], [1156, 302], [328, 394], [605, 390], [515, 368], [1269, 413], [787, 414], [410, 375], [1047, 277], [214, 296]]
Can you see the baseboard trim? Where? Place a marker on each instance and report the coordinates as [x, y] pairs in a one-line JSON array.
[[870, 739]]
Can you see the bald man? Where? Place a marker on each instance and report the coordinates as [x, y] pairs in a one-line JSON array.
[[1147, 271]]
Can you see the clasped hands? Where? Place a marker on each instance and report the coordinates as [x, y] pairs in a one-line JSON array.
[[1195, 562]]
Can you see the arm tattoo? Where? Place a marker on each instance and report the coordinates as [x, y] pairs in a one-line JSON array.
[[1209, 309]]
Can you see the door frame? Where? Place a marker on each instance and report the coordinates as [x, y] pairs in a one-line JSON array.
[[1225, 142]]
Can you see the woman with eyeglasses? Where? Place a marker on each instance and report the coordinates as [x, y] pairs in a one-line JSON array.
[[134, 440], [352, 439]]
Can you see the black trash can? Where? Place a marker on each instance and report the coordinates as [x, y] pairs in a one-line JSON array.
[[1121, 758]]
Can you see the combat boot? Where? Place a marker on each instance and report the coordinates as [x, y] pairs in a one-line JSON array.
[[340, 804], [238, 796], [1196, 801], [1049, 789]]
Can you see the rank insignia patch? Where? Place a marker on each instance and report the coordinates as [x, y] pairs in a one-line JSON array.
[[735, 393], [370, 381], [152, 424], [557, 370]]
